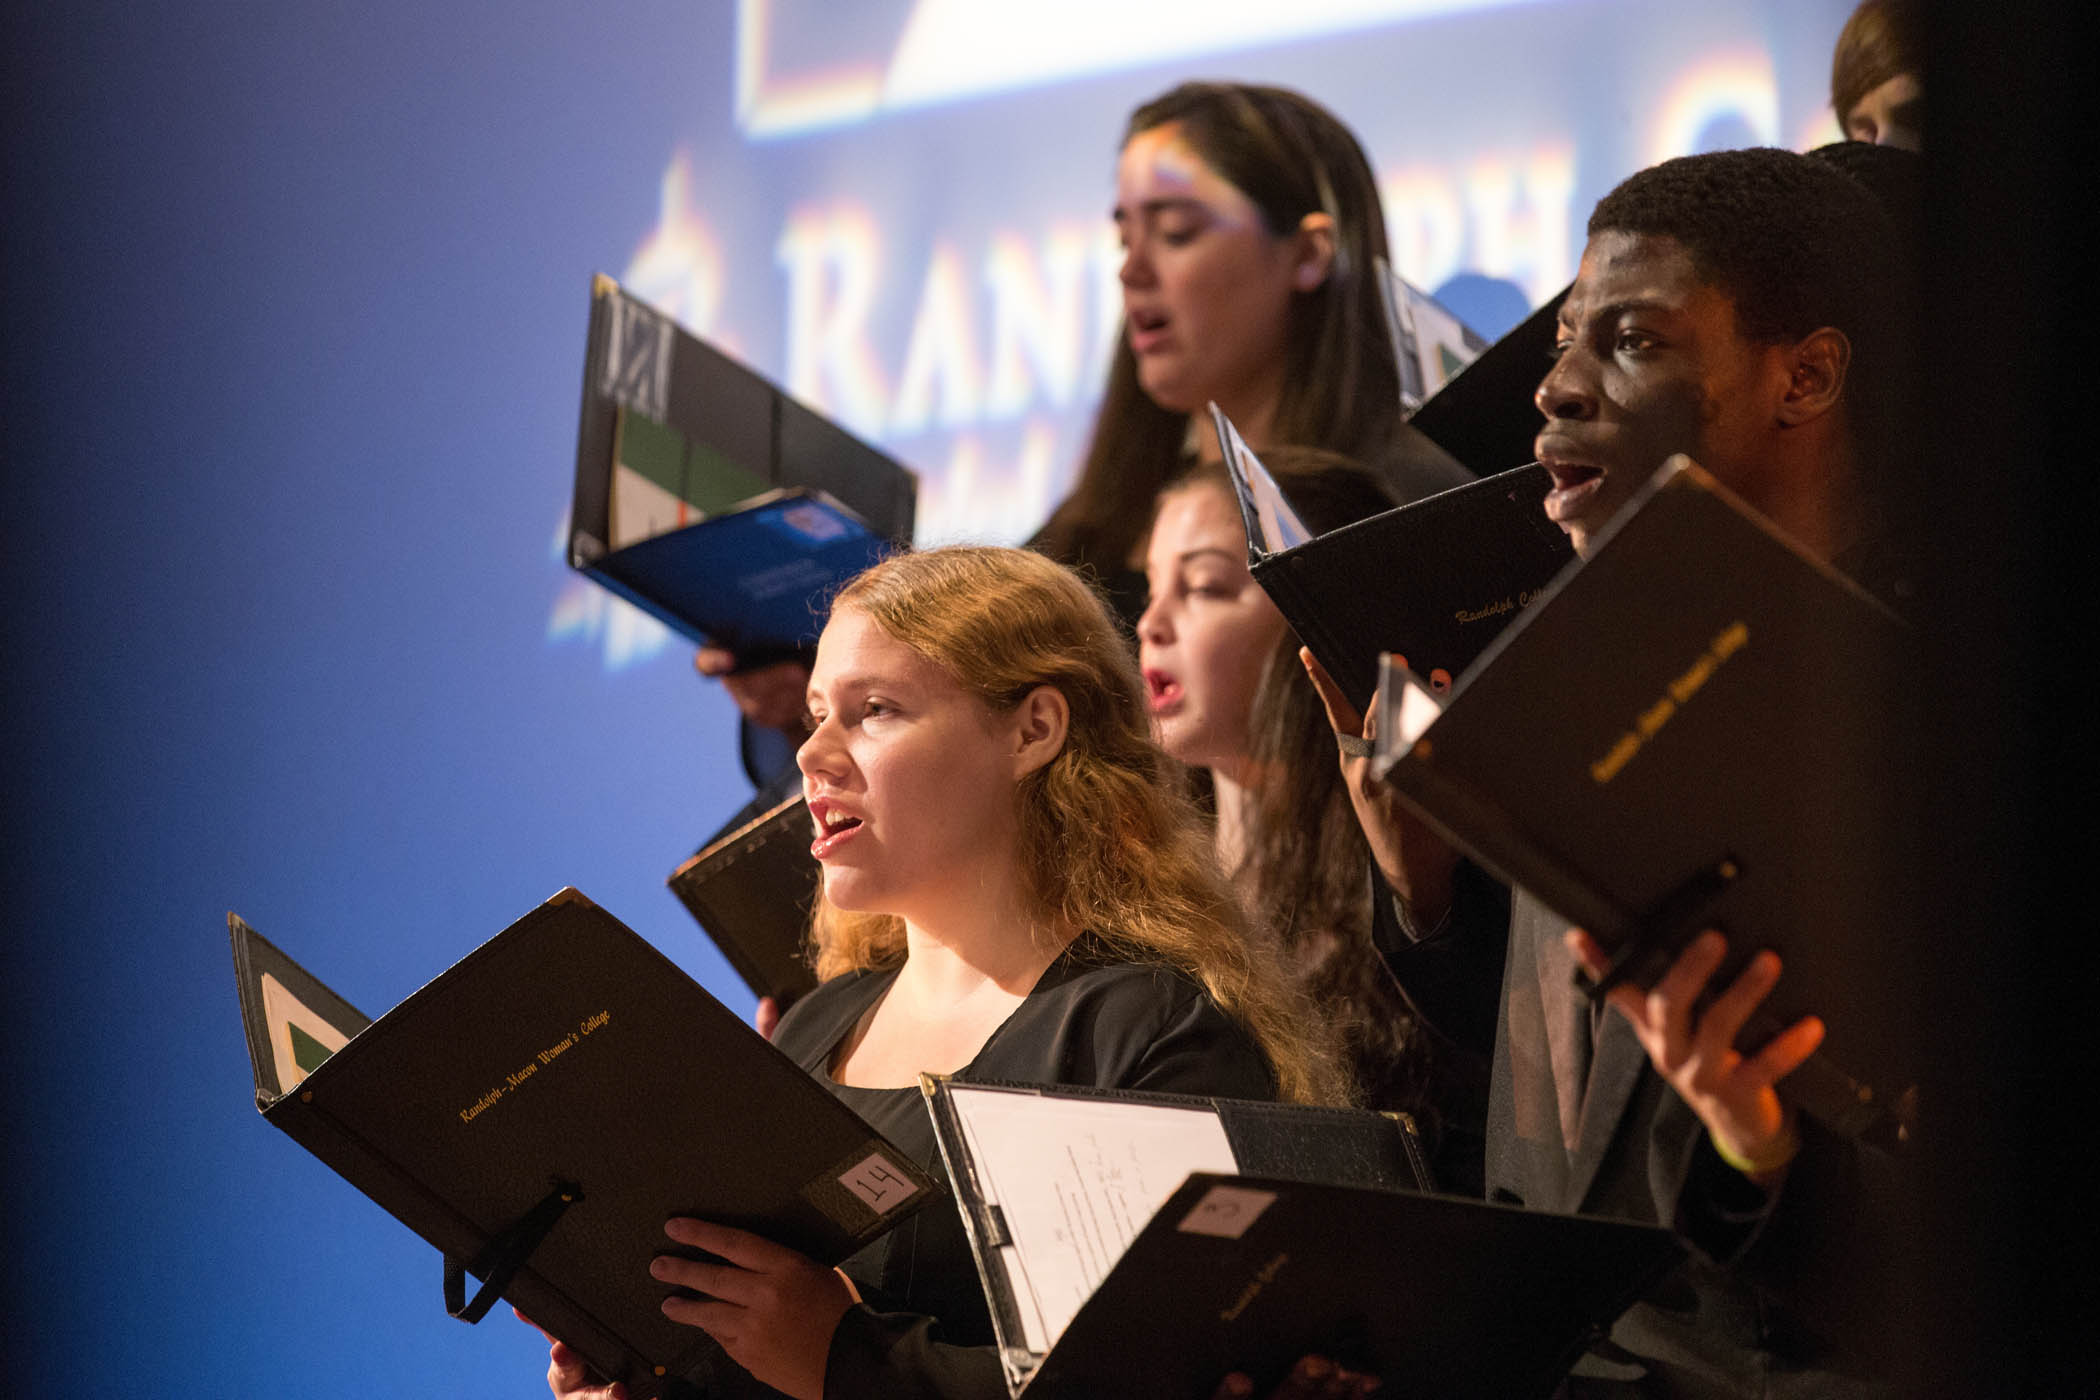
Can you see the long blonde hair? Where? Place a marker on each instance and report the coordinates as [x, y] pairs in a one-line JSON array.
[[1108, 842]]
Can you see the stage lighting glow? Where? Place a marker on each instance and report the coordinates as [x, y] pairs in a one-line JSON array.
[[1039, 303], [1520, 217], [1737, 85], [677, 268], [947, 50], [1506, 215], [1425, 222], [979, 496], [1819, 130], [941, 362], [832, 255], [770, 103]]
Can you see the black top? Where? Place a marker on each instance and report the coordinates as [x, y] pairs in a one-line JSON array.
[[924, 1329]]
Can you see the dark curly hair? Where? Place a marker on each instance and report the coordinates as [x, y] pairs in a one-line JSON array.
[[1791, 240], [1796, 244], [1896, 179], [1893, 175]]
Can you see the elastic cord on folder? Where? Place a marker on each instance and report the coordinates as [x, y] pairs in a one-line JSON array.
[[504, 1254]]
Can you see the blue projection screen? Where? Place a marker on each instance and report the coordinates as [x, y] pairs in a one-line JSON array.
[[297, 301]]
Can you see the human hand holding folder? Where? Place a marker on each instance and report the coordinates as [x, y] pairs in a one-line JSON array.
[[772, 1308], [569, 1376], [1416, 863], [1728, 761], [769, 694], [1312, 1378], [765, 1018], [1693, 1047], [522, 1063]]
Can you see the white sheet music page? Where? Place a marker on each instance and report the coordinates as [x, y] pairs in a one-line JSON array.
[[1076, 1179]]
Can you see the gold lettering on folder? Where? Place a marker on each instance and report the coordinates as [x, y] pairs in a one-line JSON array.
[[1496, 608], [1485, 611], [1726, 643], [1607, 767], [1263, 1277], [1687, 685], [517, 1077]]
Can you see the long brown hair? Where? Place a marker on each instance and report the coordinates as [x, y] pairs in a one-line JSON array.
[[1108, 842], [1883, 39], [1290, 157], [1304, 872]]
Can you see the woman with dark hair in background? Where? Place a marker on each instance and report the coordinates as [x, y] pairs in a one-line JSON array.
[[1250, 224], [1232, 700], [1251, 227]]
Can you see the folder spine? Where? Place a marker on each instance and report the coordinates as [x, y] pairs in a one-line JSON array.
[[987, 1233], [590, 508]]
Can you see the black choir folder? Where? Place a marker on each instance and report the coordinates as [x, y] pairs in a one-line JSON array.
[[540, 1109], [1123, 1254], [751, 888], [1431, 346], [1436, 580], [1483, 415], [712, 500], [1698, 727]]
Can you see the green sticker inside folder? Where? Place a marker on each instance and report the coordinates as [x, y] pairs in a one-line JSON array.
[[714, 484], [651, 450], [307, 1053]]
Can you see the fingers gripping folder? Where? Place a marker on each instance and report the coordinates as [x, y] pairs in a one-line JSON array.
[[500, 1095]]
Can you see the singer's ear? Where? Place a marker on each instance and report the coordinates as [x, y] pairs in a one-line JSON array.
[[1816, 371], [1315, 252], [1040, 723]]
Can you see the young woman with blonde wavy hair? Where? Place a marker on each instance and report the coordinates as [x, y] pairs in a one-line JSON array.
[[1015, 889]]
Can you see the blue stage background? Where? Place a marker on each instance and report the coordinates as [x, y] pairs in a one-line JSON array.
[[294, 316]]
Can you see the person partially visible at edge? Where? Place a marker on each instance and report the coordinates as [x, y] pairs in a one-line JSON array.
[[1250, 224], [1736, 308], [1233, 703], [1877, 74], [1015, 888]]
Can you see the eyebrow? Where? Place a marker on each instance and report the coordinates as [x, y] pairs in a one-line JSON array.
[[852, 681], [1612, 311], [1233, 555], [1164, 203]]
